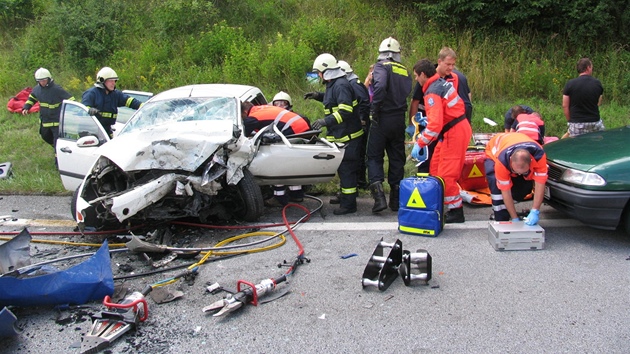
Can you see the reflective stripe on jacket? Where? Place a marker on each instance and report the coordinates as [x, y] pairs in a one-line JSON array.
[[342, 121], [50, 98], [392, 85], [288, 122], [442, 104], [501, 147], [108, 103]]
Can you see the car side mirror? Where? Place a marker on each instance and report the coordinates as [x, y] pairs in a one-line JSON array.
[[236, 131]]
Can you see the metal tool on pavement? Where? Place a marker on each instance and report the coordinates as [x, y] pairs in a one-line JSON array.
[[117, 320], [415, 267], [250, 294], [381, 270]]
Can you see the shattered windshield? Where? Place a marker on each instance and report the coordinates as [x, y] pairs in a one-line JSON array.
[[183, 109]]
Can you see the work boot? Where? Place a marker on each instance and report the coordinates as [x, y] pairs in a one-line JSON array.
[[394, 200], [296, 196], [277, 201], [344, 211], [380, 203], [335, 199], [453, 216]]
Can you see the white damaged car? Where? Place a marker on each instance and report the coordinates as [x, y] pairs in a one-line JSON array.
[[183, 154]]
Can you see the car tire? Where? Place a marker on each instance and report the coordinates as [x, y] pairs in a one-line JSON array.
[[251, 196]]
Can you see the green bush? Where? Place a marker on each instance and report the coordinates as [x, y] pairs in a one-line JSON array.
[[174, 18], [286, 58], [210, 47]]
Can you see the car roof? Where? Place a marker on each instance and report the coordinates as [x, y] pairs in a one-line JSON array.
[[242, 92]]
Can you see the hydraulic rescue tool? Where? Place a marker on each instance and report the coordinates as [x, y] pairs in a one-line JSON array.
[[250, 294], [121, 317], [117, 320]]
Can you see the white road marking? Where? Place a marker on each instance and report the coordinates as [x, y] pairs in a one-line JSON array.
[[314, 226]]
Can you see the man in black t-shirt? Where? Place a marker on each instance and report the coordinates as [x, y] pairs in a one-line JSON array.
[[581, 99]]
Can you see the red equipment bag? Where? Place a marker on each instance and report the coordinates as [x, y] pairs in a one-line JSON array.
[[16, 102], [473, 175]]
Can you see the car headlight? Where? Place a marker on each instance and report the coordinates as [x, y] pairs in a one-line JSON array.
[[583, 178]]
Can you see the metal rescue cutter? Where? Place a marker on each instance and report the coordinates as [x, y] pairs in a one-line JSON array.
[[251, 294], [118, 320]]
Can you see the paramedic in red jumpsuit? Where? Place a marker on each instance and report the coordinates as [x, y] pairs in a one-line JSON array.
[[447, 123]]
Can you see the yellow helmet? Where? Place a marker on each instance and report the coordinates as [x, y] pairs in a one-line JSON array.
[[42, 73], [324, 62], [106, 73], [389, 45]]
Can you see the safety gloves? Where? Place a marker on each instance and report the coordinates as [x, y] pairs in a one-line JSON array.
[[93, 111], [421, 154], [311, 95], [318, 124], [533, 217]]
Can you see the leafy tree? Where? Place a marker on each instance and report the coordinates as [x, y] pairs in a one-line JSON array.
[[581, 21]]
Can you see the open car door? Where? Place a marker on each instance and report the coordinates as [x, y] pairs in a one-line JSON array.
[[80, 135]]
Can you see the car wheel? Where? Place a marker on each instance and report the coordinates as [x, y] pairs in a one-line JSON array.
[[252, 202]]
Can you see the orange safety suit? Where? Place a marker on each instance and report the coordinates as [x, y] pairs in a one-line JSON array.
[[499, 173], [530, 125], [448, 124], [288, 122]]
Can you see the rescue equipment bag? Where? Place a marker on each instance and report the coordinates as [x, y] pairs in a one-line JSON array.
[[421, 210]]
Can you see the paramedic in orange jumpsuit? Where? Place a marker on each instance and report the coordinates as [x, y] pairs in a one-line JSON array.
[[288, 122], [531, 125], [448, 125], [514, 165]]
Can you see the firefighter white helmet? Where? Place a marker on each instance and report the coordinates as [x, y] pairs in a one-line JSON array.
[[106, 73], [345, 66], [389, 45], [282, 96], [42, 74], [324, 62]]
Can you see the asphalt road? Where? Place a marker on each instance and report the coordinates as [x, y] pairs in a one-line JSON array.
[[571, 297]]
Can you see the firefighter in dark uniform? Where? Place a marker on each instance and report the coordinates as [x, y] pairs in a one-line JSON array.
[[343, 124], [362, 103], [104, 99], [392, 85], [50, 96]]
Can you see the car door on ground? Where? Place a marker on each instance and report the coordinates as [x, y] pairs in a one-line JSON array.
[[80, 135]]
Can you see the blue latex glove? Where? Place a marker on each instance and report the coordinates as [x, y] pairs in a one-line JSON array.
[[532, 218], [420, 154], [411, 130], [516, 220], [422, 120]]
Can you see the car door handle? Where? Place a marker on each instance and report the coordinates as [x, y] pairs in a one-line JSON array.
[[65, 149], [324, 156]]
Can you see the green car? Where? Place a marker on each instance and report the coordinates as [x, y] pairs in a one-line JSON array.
[[589, 178]]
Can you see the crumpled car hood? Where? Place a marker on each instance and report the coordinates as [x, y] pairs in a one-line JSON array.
[[177, 146]]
